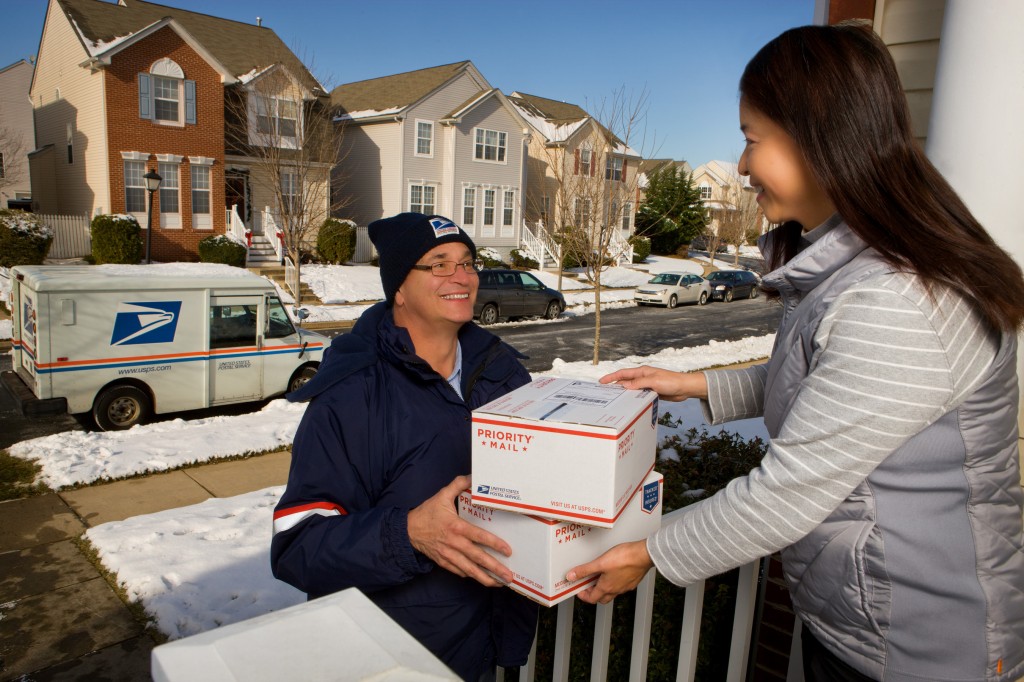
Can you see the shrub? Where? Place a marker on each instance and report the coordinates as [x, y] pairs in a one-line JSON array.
[[641, 248], [705, 464], [222, 248], [116, 239], [336, 241], [490, 257], [521, 260], [24, 238]]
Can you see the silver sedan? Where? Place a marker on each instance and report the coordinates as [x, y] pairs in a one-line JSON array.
[[672, 288]]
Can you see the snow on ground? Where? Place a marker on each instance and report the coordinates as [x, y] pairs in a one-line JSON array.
[[203, 566]]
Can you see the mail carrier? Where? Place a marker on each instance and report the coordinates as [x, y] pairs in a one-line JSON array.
[[127, 341]]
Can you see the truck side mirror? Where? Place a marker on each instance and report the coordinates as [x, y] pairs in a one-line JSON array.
[[301, 313]]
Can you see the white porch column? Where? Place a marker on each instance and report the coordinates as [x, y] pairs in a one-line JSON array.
[[976, 135]]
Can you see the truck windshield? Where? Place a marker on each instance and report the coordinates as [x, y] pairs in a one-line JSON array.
[[278, 322]]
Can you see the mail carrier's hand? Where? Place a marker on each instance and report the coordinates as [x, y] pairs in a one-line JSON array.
[[619, 570], [436, 530]]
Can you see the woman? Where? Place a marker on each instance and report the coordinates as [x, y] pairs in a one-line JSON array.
[[891, 484]]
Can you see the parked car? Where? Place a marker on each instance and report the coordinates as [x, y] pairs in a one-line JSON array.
[[672, 288], [729, 284], [508, 294], [701, 244]]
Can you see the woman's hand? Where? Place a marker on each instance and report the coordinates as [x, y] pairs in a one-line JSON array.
[[436, 530], [620, 569], [669, 385]]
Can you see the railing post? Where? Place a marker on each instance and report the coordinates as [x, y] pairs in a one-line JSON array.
[[602, 639], [642, 628], [693, 607], [563, 641], [743, 621]]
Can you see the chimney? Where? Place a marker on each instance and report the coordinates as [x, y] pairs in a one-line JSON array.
[[259, 21]]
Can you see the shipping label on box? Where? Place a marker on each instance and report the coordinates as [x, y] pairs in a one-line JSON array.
[[564, 449], [544, 550]]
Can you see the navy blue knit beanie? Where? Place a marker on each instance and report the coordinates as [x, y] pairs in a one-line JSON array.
[[403, 239]]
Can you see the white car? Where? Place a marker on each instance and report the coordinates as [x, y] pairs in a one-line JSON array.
[[672, 288]]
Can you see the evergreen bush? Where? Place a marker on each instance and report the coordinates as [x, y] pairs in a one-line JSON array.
[[24, 238], [116, 239], [221, 248], [490, 257], [641, 248], [522, 261], [336, 241]]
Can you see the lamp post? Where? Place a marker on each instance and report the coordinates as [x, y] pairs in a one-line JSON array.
[[152, 179]]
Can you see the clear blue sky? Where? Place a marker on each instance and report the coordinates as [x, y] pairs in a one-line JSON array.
[[687, 54]]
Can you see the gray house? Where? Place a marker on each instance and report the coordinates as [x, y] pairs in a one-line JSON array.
[[438, 140]]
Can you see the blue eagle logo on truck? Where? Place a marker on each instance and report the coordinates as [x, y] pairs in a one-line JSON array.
[[145, 322]]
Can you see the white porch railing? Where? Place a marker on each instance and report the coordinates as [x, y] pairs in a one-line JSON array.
[[619, 248], [72, 237], [235, 226], [291, 279], [742, 628], [539, 245], [273, 233]]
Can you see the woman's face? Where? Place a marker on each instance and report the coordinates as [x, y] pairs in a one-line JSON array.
[[786, 189]]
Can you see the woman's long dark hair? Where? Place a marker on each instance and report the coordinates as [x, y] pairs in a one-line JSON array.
[[835, 91]]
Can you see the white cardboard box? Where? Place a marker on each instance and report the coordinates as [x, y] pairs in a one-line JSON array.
[[564, 449], [543, 550], [343, 637]]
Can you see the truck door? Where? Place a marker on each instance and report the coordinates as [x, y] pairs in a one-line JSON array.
[[236, 364]]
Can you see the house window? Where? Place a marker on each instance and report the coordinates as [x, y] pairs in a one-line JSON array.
[[627, 216], [200, 176], [424, 138], [166, 102], [490, 145], [3, 172], [165, 96], [468, 206], [421, 199], [489, 207], [705, 192], [134, 186], [613, 169], [508, 208], [582, 207], [584, 164], [291, 201], [71, 145], [168, 188], [278, 117]]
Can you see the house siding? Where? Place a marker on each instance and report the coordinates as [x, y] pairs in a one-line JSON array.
[[16, 117], [81, 187], [131, 133], [369, 172], [468, 171]]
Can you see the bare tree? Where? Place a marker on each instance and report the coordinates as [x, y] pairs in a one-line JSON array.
[[287, 134], [594, 186], [12, 148], [739, 215]]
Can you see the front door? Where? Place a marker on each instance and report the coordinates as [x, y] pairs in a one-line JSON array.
[[236, 193], [236, 365]]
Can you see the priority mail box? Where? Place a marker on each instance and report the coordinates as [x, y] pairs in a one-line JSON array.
[[544, 550], [564, 449]]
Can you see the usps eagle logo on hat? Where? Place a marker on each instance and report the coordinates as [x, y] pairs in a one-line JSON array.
[[443, 227]]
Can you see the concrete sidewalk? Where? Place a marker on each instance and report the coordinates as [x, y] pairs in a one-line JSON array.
[[59, 619]]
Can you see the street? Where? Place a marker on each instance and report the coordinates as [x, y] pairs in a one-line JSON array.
[[624, 332]]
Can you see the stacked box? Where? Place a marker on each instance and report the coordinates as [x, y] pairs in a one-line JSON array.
[[564, 449], [543, 550]]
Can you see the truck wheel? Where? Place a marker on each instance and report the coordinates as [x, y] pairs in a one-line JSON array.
[[489, 315], [300, 378], [121, 407]]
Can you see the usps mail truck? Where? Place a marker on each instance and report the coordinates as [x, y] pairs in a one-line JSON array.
[[123, 342]]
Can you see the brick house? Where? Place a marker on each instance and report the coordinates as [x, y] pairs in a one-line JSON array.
[[124, 88]]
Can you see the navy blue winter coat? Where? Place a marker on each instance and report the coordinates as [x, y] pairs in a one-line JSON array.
[[383, 433]]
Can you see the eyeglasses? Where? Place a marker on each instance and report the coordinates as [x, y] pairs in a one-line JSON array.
[[447, 268]]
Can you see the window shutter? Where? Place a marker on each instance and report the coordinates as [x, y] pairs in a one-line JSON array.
[[190, 101], [624, 166], [576, 171], [145, 98], [595, 158]]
